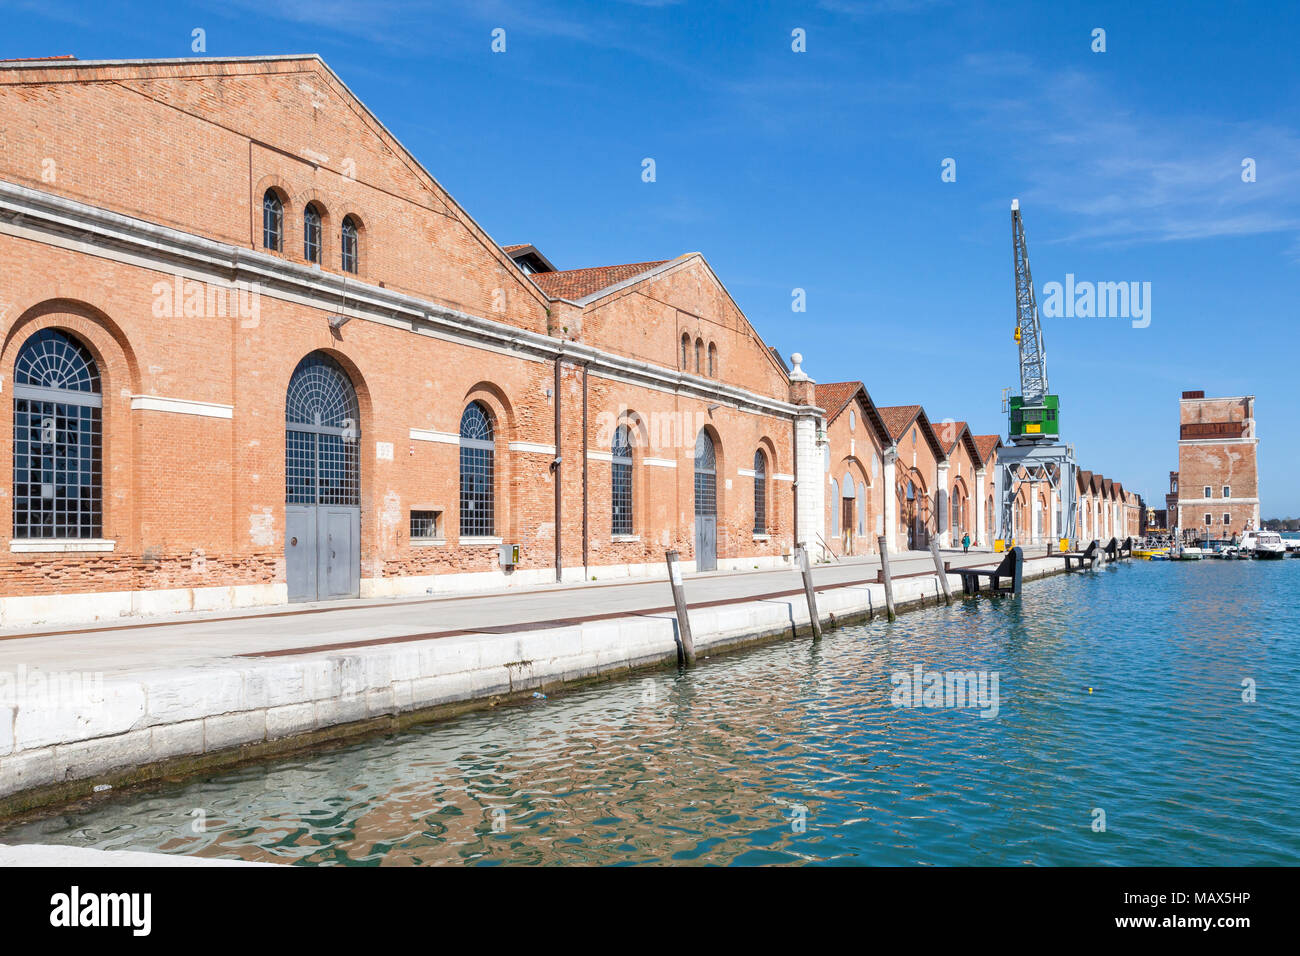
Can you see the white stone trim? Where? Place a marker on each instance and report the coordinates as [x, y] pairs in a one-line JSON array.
[[746, 472], [600, 456], [1218, 441], [659, 462], [1190, 502], [781, 476], [532, 446], [428, 542], [479, 542], [67, 223], [181, 406], [50, 545], [426, 434]]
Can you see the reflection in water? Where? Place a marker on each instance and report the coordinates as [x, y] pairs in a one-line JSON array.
[[1120, 690]]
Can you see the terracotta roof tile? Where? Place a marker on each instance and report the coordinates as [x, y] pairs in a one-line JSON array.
[[834, 396], [898, 418], [986, 444], [579, 283]]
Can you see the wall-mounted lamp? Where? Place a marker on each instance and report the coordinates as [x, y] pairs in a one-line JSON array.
[[338, 321]]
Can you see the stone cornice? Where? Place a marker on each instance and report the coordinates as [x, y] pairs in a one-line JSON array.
[[46, 217]]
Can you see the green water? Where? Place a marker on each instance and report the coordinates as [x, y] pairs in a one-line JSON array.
[[1118, 691]]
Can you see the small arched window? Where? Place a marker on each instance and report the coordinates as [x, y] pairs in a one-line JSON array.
[[621, 482], [477, 473], [58, 439], [311, 233], [835, 508], [713, 360], [699, 356], [686, 353], [760, 492], [272, 222], [348, 245]]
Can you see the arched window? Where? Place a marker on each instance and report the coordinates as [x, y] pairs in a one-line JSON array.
[[272, 221], [348, 245], [835, 508], [311, 233], [322, 428], [477, 478], [621, 479], [58, 439], [713, 360], [686, 353], [862, 509], [760, 492], [699, 356]]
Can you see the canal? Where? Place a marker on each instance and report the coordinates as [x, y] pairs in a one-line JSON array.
[[1112, 730]]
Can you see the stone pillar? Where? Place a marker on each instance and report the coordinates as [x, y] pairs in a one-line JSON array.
[[981, 506], [810, 485], [944, 523], [890, 481]]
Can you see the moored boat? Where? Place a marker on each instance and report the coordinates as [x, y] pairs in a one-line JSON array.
[[1263, 544]]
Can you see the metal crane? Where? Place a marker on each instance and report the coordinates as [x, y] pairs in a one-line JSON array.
[[1035, 415], [1035, 458]]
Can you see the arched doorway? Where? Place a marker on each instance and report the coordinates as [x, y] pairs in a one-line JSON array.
[[322, 479], [848, 520], [706, 503]]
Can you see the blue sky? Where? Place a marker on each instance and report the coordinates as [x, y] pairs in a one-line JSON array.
[[821, 170]]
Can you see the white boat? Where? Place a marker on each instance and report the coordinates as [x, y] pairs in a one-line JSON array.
[[1189, 554], [1263, 544]]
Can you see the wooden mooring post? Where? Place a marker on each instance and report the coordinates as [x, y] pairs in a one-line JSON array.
[[685, 643], [806, 571], [885, 576], [940, 571]]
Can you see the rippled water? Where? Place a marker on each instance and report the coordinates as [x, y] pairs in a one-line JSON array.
[[1120, 690]]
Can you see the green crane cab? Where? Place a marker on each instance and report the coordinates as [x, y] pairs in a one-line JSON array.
[[1035, 422]]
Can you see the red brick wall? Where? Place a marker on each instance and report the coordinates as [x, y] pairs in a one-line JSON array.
[[196, 501]]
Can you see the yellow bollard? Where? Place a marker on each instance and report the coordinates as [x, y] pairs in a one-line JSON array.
[[999, 546]]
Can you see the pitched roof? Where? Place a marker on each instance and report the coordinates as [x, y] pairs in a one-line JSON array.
[[986, 444], [959, 434], [1085, 480], [837, 396], [577, 284], [898, 418]]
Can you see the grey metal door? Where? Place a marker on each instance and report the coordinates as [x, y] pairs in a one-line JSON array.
[[322, 543], [338, 552], [706, 504], [300, 551]]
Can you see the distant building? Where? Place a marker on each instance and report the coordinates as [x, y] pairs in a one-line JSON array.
[[1217, 482]]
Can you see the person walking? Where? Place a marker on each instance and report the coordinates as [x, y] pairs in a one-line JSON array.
[[965, 543]]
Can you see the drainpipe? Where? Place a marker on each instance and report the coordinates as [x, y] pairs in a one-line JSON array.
[[556, 468], [585, 572]]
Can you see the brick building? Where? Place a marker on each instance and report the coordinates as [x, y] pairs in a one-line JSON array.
[[917, 470], [965, 481], [255, 352], [856, 441], [986, 525], [1217, 482]]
